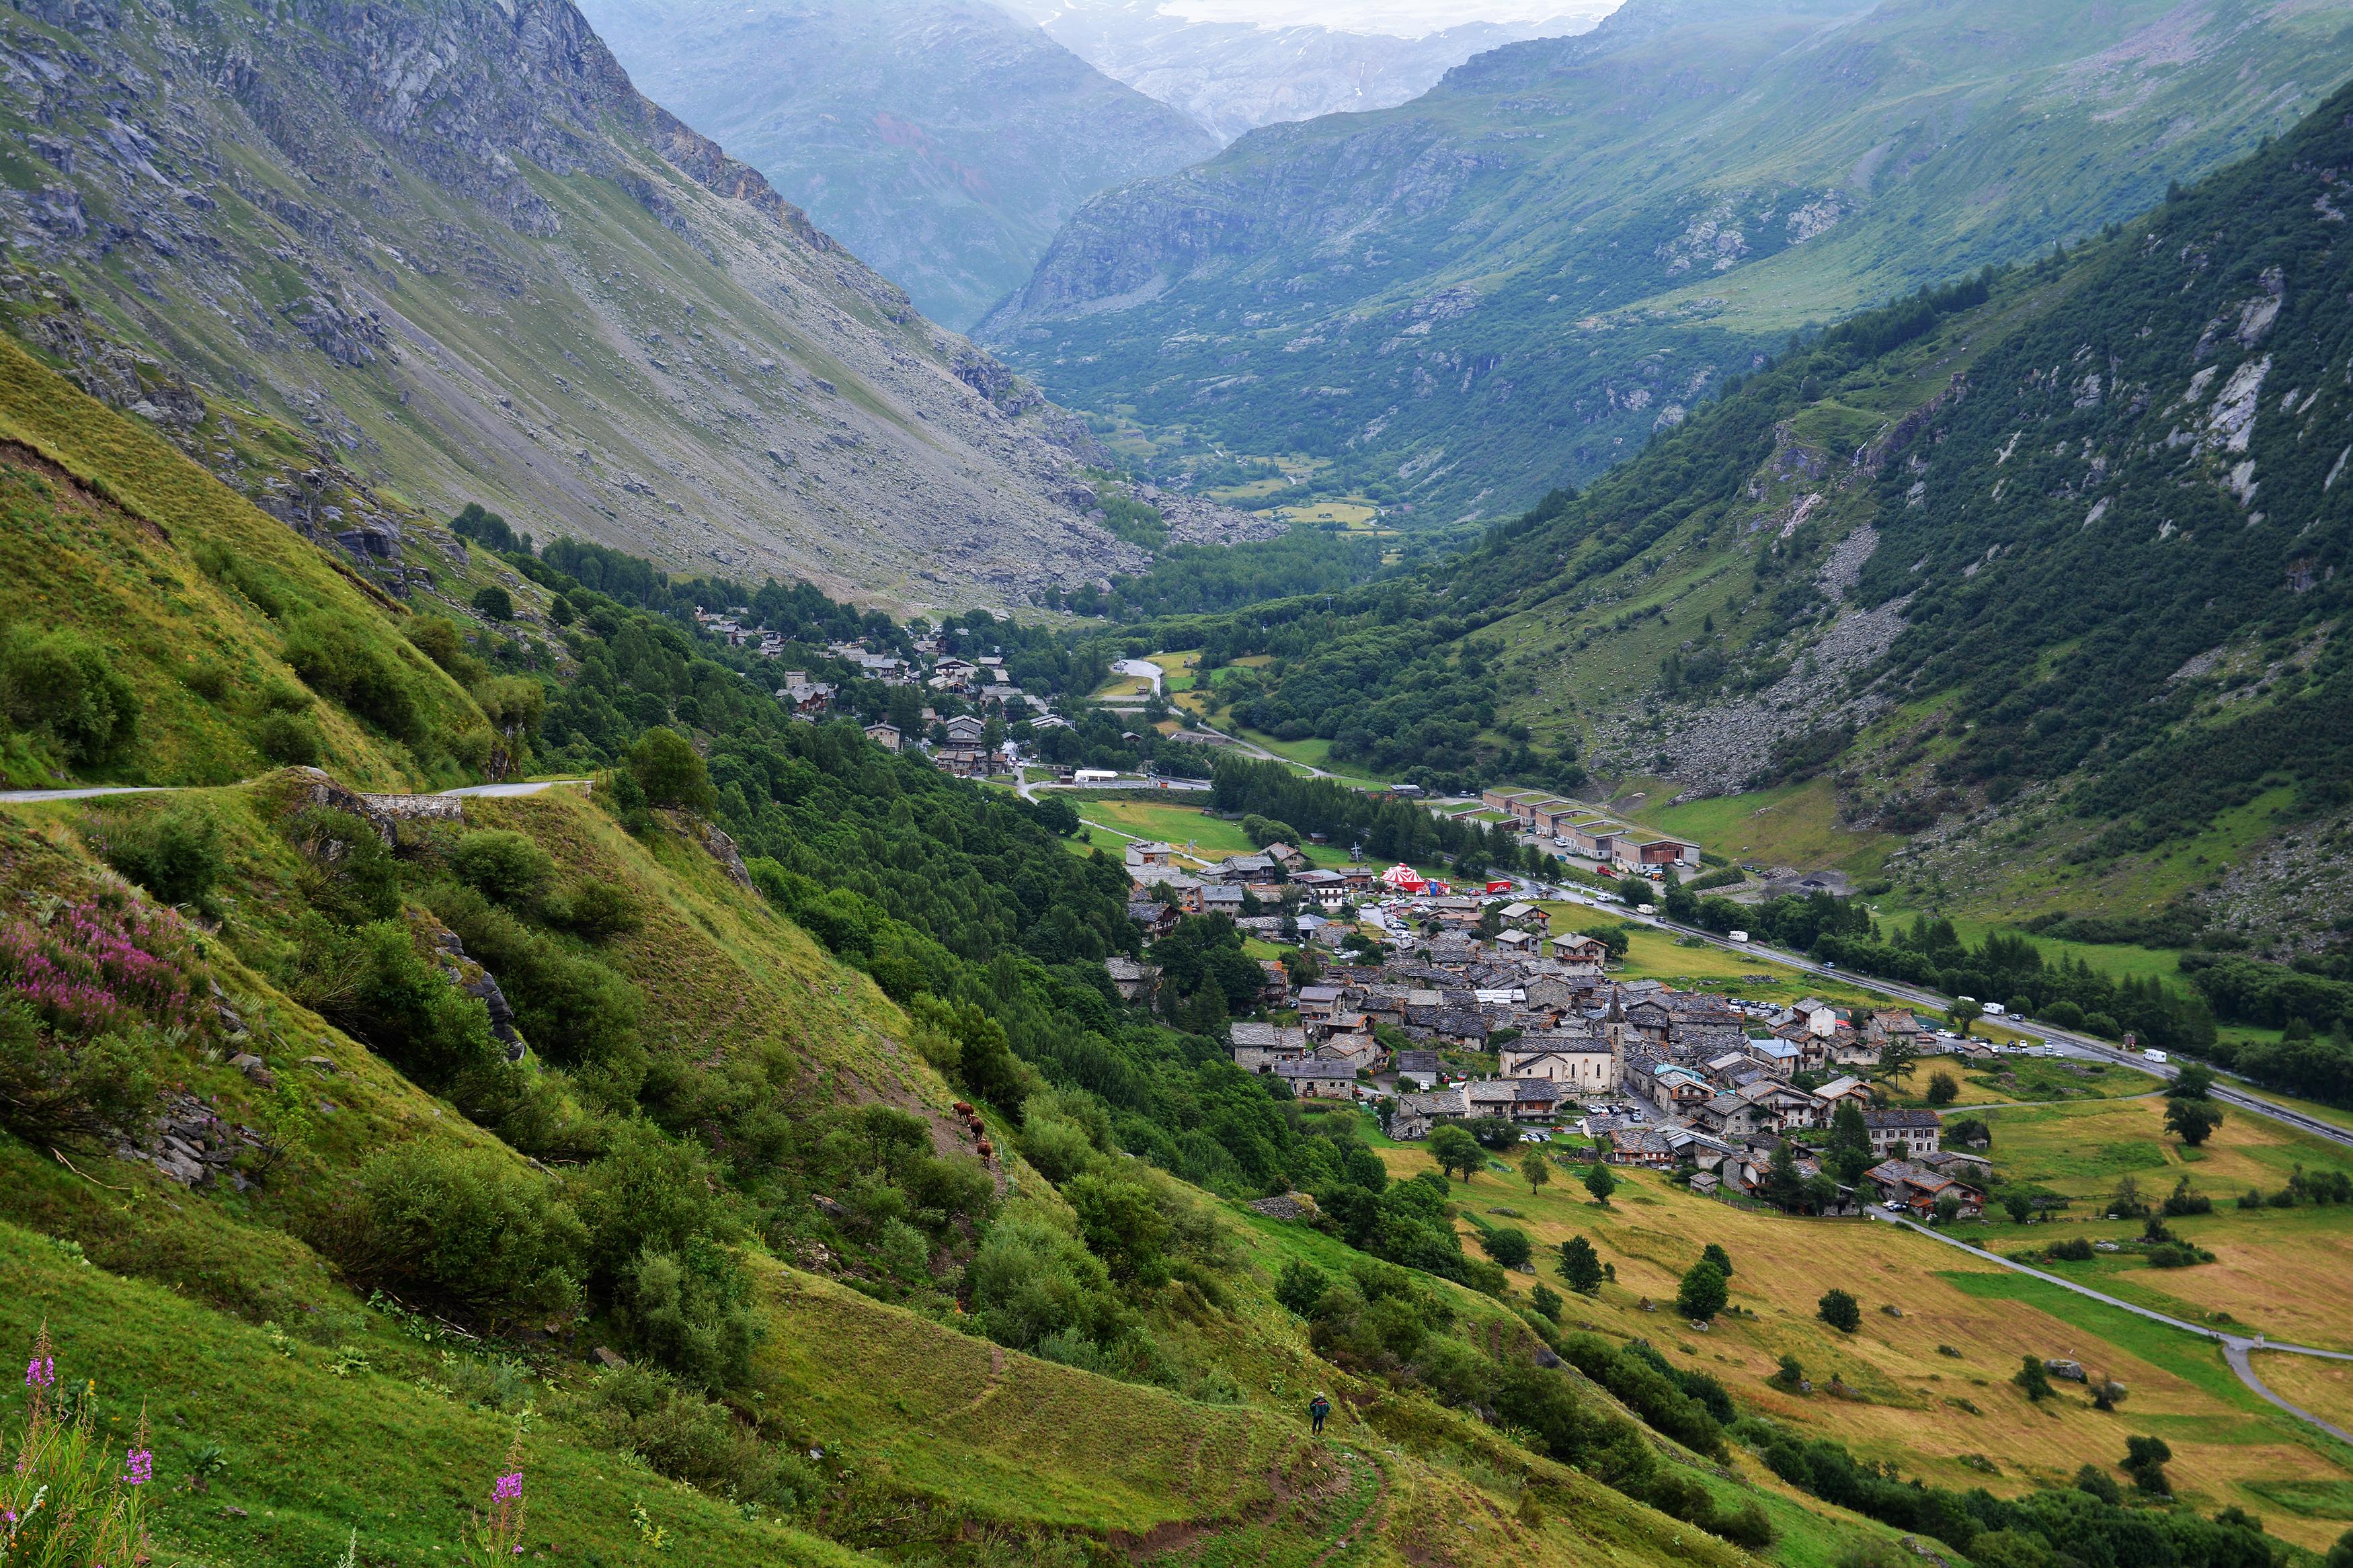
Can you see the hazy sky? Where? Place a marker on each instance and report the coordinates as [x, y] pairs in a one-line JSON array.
[[1410, 17]]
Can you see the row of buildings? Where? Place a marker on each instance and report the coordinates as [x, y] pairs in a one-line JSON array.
[[1588, 831]]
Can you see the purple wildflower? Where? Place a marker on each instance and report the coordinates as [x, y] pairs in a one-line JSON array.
[[41, 1372], [509, 1487], [140, 1468]]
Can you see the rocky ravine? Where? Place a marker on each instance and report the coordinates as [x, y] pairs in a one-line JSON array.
[[459, 249]]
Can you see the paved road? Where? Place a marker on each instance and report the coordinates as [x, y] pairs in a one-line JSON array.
[[2237, 1349], [1141, 668], [2068, 1043]]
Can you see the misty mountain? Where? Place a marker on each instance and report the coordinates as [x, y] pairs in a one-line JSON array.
[[943, 141], [1235, 77]]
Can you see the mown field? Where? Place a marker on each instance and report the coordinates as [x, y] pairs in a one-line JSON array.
[[1953, 1418], [2014, 1080]]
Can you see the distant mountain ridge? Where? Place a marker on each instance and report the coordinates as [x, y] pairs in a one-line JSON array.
[[1513, 280], [453, 251], [944, 140], [1234, 78], [2046, 572]]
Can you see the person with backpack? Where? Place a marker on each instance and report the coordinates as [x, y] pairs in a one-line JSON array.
[[1317, 1409]]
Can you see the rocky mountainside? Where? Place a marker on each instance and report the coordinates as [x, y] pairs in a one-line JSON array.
[[2046, 572], [453, 251], [943, 141], [1234, 78], [1518, 278]]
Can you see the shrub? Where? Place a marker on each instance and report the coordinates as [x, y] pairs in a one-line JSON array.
[[175, 855], [60, 684], [1702, 1291], [1030, 1279], [690, 1310], [2033, 1378], [2076, 1250], [288, 739], [505, 868], [667, 767], [56, 1089], [1545, 1302], [1942, 1088], [466, 1229], [1507, 1245], [569, 1005], [1840, 1310], [351, 877], [1301, 1285], [440, 640], [335, 657], [493, 603], [374, 983], [687, 1436], [599, 909]]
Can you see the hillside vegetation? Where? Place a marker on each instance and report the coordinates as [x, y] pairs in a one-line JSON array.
[[1514, 281], [365, 1152]]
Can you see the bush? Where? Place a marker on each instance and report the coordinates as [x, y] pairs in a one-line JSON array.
[[667, 767], [1840, 1311], [374, 985], [175, 855], [493, 603], [688, 1437], [287, 738], [2077, 1250], [659, 1238], [1031, 1279], [61, 685], [1507, 1245], [55, 1089], [1942, 1088], [1702, 1291], [336, 659], [1301, 1285], [504, 866], [599, 909], [468, 1230]]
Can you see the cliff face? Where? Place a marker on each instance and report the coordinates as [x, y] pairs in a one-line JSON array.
[[944, 140], [1519, 278], [457, 247]]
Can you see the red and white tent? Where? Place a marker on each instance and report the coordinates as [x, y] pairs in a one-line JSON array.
[[1403, 878]]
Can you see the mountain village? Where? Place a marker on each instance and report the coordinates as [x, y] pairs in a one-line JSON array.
[[1471, 1011]]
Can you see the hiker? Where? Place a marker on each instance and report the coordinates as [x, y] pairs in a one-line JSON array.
[[1318, 1408]]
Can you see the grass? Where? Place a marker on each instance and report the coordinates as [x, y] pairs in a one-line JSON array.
[[311, 1455], [104, 520], [1914, 1405], [1796, 825], [1213, 837], [2027, 1080]]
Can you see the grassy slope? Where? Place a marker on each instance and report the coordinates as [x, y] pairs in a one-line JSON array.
[[1911, 1408], [105, 518], [932, 1429]]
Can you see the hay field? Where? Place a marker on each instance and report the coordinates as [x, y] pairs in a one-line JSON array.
[[1926, 1411]]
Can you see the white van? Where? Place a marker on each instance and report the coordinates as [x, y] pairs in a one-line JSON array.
[[1995, 1009], [1737, 935], [2152, 1054]]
